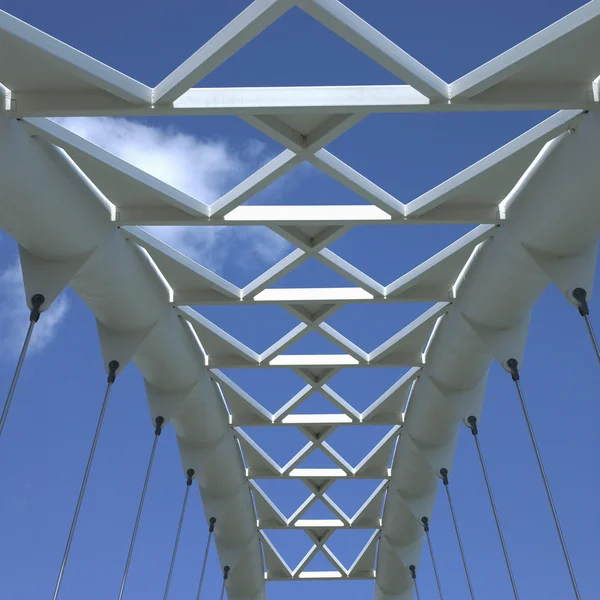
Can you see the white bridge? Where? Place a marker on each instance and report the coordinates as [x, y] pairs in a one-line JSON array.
[[79, 213]]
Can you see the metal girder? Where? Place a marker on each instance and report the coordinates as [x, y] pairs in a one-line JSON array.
[[34, 64], [318, 101], [249, 23], [552, 57], [341, 20], [361, 100]]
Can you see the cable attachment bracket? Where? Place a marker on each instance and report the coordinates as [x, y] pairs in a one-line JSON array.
[[413, 571], [113, 367], [425, 522], [472, 421], [513, 368], [226, 570], [581, 296], [36, 302], [444, 475], [211, 524], [190, 476], [159, 423]]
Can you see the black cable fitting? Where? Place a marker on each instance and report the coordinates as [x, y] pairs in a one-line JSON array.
[[444, 474], [513, 367], [113, 366], [226, 570], [211, 524], [36, 302], [473, 424], [425, 522], [581, 296], [413, 571], [158, 422], [190, 476]]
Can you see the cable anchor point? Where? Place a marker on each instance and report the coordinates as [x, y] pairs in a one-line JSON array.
[[159, 423], [425, 522], [113, 367], [211, 524], [36, 302], [444, 476], [581, 296], [472, 421], [513, 368], [190, 476]]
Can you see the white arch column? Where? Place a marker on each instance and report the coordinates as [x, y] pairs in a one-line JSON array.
[[554, 212], [59, 219]]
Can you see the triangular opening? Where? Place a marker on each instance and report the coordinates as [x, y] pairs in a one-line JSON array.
[[306, 185], [311, 274], [361, 387], [370, 325], [238, 254], [270, 387], [280, 443], [318, 460], [256, 326], [291, 544], [314, 343], [319, 563], [347, 544], [286, 494], [319, 511], [413, 27], [430, 147], [204, 158], [312, 55], [369, 248], [351, 494], [316, 404], [354, 443]]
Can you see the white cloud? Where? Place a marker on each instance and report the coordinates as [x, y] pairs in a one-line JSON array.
[[14, 316], [204, 169]]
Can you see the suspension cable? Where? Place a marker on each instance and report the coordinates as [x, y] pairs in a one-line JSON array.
[[225, 577], [113, 365], [157, 431], [513, 366], [475, 431], [425, 522], [446, 482], [584, 310], [190, 478], [413, 572], [36, 302], [211, 528]]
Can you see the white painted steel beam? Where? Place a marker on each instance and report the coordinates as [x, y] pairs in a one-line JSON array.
[[237, 33], [327, 473], [317, 101], [321, 100], [126, 186], [489, 180], [552, 57], [33, 61], [349, 26]]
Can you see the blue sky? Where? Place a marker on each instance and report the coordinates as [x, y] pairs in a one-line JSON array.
[[46, 440]]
